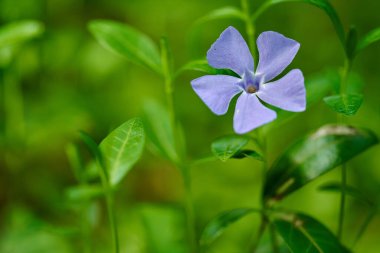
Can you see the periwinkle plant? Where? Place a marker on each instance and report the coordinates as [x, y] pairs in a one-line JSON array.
[[309, 158]]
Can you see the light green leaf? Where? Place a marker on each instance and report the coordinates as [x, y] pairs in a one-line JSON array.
[[303, 233], [372, 37], [227, 146], [322, 4], [128, 42], [122, 148], [20, 31], [227, 12], [215, 227], [202, 66], [313, 156], [159, 130], [347, 104], [84, 192]]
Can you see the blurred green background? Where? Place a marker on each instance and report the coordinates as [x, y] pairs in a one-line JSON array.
[[64, 81]]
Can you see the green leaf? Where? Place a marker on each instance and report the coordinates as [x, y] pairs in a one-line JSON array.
[[248, 153], [303, 233], [372, 37], [351, 43], [227, 146], [159, 130], [202, 66], [19, 32], [128, 42], [216, 226], [347, 104], [313, 156], [76, 162], [122, 148], [322, 4], [352, 191], [227, 12], [84, 192]]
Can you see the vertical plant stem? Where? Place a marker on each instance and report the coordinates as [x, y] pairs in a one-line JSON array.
[[274, 240], [343, 88], [249, 26]]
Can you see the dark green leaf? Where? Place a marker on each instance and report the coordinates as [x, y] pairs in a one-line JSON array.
[[19, 32], [322, 4], [202, 66], [369, 39], [159, 130], [352, 191], [227, 146], [351, 43], [227, 12], [303, 234], [314, 155], [248, 153], [347, 104], [128, 42], [122, 148], [216, 226], [84, 192]]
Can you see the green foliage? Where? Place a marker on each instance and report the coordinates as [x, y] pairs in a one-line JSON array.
[[372, 37], [314, 155], [159, 130], [303, 233], [122, 148], [19, 31], [347, 104], [227, 146], [82, 193], [128, 42], [351, 43], [248, 153], [215, 227], [202, 66], [227, 12]]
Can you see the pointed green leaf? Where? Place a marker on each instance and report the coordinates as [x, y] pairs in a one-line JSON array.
[[372, 37], [227, 146], [322, 4], [159, 130], [303, 233], [202, 66], [216, 226], [19, 32], [227, 12], [128, 42], [351, 43], [122, 148], [347, 104], [314, 155]]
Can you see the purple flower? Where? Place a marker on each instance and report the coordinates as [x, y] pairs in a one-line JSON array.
[[230, 51]]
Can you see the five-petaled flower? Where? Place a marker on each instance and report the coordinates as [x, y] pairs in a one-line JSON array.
[[230, 51]]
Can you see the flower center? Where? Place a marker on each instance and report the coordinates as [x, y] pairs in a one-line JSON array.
[[251, 89]]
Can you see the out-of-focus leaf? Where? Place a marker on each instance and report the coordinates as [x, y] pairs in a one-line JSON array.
[[91, 146], [76, 162], [351, 43], [347, 104], [159, 130], [164, 229], [248, 153], [227, 146], [19, 32], [216, 226], [372, 37], [128, 42], [202, 66], [84, 192], [303, 233], [227, 12], [352, 191], [314, 155], [122, 148], [322, 4]]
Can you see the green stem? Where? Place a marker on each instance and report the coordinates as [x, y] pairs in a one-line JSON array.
[[260, 233], [274, 240], [249, 26]]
